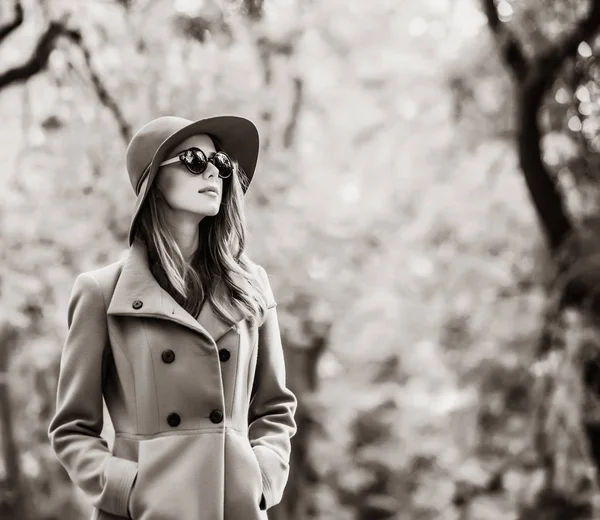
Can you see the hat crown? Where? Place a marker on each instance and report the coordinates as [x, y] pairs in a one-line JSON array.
[[146, 141]]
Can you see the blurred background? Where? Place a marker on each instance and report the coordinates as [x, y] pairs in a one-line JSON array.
[[426, 205]]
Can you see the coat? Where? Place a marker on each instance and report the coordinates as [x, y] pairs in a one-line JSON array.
[[202, 416]]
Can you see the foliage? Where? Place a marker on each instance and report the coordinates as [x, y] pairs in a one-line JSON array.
[[388, 208]]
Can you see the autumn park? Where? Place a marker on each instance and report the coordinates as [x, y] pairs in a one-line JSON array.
[[426, 203]]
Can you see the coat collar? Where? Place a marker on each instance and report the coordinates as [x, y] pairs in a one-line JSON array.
[[136, 282]]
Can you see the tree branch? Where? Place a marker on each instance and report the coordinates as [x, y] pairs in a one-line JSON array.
[[542, 74], [39, 58], [511, 50], [290, 129], [534, 78], [5, 30], [554, 55], [104, 96], [545, 195], [265, 58]]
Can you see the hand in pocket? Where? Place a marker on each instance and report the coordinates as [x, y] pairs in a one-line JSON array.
[[262, 504]]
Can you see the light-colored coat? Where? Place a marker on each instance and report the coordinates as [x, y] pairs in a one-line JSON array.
[[202, 415]]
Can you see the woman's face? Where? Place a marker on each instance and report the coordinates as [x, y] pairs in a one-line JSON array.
[[181, 188]]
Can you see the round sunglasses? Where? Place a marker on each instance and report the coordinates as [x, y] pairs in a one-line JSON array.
[[196, 162]]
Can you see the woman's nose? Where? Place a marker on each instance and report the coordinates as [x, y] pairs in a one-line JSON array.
[[211, 170]]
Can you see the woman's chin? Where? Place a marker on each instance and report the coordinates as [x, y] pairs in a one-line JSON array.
[[208, 210], [198, 211]]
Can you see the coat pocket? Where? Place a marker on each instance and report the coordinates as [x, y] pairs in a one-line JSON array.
[[252, 473], [243, 479], [180, 476], [258, 470], [135, 503]]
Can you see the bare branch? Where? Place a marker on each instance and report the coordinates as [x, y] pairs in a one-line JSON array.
[[542, 74], [553, 57], [534, 76], [290, 128], [511, 50], [265, 57], [103, 95], [545, 195], [39, 58], [5, 30]]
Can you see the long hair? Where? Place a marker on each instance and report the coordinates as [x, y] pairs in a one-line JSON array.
[[219, 257]]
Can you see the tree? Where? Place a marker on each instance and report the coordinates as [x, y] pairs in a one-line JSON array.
[[572, 246]]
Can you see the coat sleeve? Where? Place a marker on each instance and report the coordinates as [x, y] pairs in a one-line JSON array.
[[272, 407], [74, 430]]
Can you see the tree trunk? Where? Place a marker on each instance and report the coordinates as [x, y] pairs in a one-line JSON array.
[[303, 380], [12, 492], [543, 191]]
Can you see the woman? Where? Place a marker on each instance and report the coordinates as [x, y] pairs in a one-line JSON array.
[[182, 340]]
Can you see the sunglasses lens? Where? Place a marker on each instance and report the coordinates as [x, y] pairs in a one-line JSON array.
[[195, 161], [223, 164]]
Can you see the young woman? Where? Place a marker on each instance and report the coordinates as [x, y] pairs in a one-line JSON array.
[[182, 340]]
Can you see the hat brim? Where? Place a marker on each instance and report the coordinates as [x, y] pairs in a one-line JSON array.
[[237, 136]]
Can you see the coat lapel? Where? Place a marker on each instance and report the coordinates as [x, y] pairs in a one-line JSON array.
[[136, 283]]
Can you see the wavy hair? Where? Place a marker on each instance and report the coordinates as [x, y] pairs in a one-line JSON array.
[[220, 255]]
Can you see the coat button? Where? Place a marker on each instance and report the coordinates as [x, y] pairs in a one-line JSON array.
[[168, 356], [173, 419], [137, 304], [216, 416], [224, 354]]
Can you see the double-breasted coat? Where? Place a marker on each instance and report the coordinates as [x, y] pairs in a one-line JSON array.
[[202, 415]]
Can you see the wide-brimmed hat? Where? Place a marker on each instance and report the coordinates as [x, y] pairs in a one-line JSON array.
[[236, 135]]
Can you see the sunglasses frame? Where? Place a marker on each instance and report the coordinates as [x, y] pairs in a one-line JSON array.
[[180, 157]]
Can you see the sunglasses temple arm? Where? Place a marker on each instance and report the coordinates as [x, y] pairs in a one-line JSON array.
[[169, 161]]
